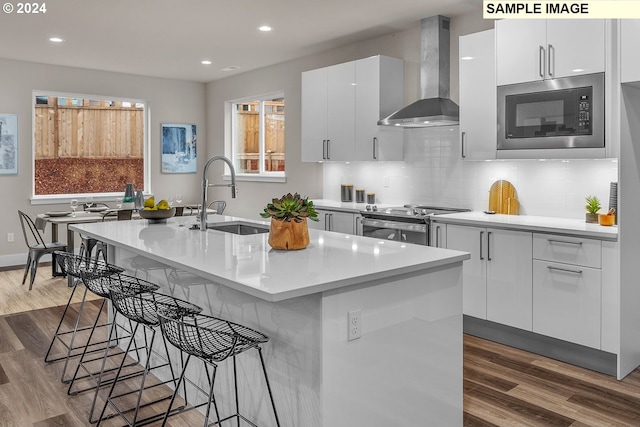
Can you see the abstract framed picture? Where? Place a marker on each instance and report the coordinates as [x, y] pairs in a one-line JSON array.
[[179, 153], [8, 144]]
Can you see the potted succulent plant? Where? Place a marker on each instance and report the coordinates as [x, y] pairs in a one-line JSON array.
[[593, 206], [289, 216]]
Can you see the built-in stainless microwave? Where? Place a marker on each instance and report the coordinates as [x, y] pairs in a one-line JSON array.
[[558, 113]]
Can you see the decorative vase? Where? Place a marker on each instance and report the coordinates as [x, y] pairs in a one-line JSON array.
[[591, 218], [128, 193], [288, 235]]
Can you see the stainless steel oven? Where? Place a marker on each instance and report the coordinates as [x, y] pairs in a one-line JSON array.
[[410, 223], [557, 113], [400, 231]]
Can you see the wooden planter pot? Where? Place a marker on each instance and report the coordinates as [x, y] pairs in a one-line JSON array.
[[591, 218], [288, 235]]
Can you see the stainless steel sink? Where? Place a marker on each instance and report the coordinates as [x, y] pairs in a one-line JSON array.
[[238, 227]]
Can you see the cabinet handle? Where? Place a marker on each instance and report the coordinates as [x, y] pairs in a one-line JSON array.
[[375, 148], [550, 57], [324, 145], [328, 154], [438, 236], [541, 57], [567, 270], [481, 236], [564, 242], [489, 246], [326, 222], [331, 220], [462, 141]]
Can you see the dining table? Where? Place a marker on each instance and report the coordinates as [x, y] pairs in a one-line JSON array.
[[56, 218]]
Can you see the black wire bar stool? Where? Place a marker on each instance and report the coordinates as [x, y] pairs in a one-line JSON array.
[[142, 308], [92, 372], [212, 340], [77, 266]]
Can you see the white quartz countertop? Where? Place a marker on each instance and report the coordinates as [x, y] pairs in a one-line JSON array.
[[542, 224], [248, 264]]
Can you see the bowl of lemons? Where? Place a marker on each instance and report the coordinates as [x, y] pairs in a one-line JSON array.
[[156, 213]]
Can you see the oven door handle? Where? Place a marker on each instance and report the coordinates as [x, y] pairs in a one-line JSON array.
[[394, 225]]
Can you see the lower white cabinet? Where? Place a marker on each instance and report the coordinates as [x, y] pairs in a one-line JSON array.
[[567, 288], [342, 222], [566, 302], [497, 279]]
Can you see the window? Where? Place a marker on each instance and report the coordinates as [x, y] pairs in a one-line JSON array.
[[257, 135], [87, 145]]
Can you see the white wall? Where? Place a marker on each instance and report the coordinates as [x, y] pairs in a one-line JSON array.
[[434, 173], [168, 100]]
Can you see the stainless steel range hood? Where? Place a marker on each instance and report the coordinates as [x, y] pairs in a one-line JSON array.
[[435, 109]]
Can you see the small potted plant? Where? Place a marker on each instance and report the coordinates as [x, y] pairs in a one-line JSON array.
[[593, 206], [289, 215]]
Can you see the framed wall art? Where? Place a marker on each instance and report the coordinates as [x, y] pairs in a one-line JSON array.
[[8, 144], [179, 153]]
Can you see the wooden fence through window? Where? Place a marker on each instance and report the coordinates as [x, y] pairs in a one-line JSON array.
[[248, 133], [88, 131]]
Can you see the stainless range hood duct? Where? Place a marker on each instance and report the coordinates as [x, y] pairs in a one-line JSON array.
[[435, 109]]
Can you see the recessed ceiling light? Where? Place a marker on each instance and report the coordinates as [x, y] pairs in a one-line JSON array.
[[56, 40], [205, 62], [467, 58], [265, 28]]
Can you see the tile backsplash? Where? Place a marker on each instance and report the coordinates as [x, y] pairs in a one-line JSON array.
[[433, 173]]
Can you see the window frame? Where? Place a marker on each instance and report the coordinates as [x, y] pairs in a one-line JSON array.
[[66, 198], [231, 146]]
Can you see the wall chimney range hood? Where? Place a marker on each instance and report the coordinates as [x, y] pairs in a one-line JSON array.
[[435, 108]]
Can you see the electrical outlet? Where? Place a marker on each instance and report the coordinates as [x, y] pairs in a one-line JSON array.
[[10, 237], [354, 324]]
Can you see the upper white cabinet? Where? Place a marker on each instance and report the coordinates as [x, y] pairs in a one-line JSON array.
[[478, 96], [341, 106], [537, 49], [629, 58], [328, 105]]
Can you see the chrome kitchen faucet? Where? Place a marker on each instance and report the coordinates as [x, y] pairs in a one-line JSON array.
[[206, 185]]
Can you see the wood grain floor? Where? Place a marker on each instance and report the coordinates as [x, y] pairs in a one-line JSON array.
[[47, 291], [503, 386]]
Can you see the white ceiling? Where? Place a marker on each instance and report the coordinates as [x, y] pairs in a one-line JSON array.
[[169, 38]]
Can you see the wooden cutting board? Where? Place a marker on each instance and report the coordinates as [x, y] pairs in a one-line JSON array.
[[503, 198]]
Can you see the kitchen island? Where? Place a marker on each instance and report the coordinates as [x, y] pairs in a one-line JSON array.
[[404, 370]]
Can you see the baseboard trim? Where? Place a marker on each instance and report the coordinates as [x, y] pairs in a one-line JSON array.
[[575, 354], [12, 261]]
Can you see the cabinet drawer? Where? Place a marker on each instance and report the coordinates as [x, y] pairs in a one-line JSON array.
[[566, 302], [568, 250]]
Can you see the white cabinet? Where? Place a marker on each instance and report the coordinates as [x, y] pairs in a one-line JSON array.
[[478, 99], [438, 235], [474, 271], [498, 278], [536, 49], [379, 93], [567, 289], [328, 103], [341, 106], [629, 58], [341, 222]]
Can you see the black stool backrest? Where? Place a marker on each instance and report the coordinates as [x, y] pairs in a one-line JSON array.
[[207, 337], [144, 307]]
